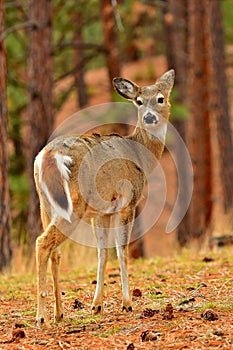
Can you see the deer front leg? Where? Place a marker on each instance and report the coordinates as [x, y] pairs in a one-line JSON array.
[[122, 253], [97, 305], [123, 223], [100, 227]]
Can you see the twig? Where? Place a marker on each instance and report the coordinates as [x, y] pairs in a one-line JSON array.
[[79, 44], [16, 28], [117, 16], [60, 344]]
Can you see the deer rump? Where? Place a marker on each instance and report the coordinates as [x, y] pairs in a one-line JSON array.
[[109, 176]]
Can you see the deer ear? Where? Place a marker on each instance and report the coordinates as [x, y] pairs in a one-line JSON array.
[[126, 88], [166, 81]]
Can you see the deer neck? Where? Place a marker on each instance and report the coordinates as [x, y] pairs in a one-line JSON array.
[[155, 145]]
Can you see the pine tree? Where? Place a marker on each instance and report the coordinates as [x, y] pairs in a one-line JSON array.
[[5, 222]]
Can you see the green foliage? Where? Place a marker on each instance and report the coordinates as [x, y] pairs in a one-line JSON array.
[[19, 191], [64, 26], [17, 99], [19, 185], [227, 20], [150, 74], [179, 111], [142, 32]]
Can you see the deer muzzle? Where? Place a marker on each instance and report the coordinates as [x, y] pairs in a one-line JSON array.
[[150, 118]]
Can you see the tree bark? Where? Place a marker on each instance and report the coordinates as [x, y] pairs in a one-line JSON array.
[[175, 30], [219, 105], [5, 221], [110, 39], [207, 92], [78, 61], [40, 111], [199, 124]]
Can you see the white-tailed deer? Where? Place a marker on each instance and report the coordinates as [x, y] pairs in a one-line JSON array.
[[119, 183]]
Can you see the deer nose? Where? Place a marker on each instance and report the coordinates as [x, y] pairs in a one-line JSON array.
[[150, 118]]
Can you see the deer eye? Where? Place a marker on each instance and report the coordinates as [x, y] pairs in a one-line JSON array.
[[139, 101], [160, 99]]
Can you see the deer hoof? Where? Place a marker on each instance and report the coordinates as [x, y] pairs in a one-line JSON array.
[[58, 318], [127, 308], [97, 309], [42, 323]]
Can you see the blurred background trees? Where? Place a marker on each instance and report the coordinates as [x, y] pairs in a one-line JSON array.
[[40, 114], [62, 56], [5, 217]]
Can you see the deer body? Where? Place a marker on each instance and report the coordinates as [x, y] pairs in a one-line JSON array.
[[68, 192]]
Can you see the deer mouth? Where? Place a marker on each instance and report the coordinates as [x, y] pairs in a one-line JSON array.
[[150, 118]]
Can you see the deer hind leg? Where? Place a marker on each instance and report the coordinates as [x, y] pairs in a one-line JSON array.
[[55, 262], [123, 223], [100, 227], [45, 244]]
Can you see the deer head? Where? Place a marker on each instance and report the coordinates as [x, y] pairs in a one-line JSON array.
[[152, 103]]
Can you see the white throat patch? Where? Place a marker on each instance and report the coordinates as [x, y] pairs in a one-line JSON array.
[[159, 132]]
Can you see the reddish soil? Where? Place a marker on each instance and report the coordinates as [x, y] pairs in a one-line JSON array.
[[183, 303]]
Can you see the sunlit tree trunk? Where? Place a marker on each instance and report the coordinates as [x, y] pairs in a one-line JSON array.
[[219, 105], [110, 39], [40, 111], [175, 30], [207, 93], [199, 123], [5, 222], [79, 61]]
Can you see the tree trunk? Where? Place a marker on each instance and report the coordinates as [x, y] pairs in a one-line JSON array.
[[199, 124], [175, 30], [40, 111], [5, 222], [110, 39], [79, 62], [219, 105]]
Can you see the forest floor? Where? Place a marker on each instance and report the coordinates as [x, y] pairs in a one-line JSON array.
[[183, 302]]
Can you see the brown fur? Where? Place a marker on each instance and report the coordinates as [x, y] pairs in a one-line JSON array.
[[106, 200]]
